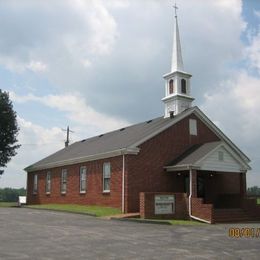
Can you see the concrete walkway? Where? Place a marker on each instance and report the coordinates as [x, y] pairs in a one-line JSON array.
[[37, 234], [120, 216]]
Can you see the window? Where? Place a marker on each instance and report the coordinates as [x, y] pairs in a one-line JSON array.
[[171, 86], [183, 86], [82, 179], [221, 156], [48, 182], [63, 181], [35, 183], [193, 127], [106, 177]]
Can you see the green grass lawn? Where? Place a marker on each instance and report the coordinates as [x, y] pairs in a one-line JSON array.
[[186, 222], [179, 222], [96, 210], [7, 204], [258, 200], [169, 222]]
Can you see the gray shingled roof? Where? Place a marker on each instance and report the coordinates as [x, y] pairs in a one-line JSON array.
[[105, 143], [194, 154]]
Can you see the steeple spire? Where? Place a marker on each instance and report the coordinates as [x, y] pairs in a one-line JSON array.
[[177, 83], [177, 62]]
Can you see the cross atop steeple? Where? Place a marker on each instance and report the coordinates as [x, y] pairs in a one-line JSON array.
[[175, 7]]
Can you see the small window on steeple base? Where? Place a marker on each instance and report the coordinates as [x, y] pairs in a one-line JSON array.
[[171, 86], [183, 86]]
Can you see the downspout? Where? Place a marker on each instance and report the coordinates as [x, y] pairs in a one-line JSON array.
[[123, 185], [190, 208]]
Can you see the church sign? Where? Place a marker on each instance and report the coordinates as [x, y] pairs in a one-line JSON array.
[[164, 204]]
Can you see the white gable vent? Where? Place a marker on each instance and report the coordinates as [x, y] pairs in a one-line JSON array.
[[193, 127]]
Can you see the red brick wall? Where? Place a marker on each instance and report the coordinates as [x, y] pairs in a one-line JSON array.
[[251, 207], [201, 210], [94, 194], [145, 171], [223, 188], [147, 206]]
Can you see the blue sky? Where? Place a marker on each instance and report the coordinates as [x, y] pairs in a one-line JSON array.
[[98, 65]]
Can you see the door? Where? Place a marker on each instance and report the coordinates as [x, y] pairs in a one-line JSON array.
[[201, 187], [187, 185]]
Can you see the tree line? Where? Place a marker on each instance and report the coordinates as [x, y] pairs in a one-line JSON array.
[[253, 191], [11, 195]]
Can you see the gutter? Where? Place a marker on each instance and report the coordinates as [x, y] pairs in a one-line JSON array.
[[181, 167], [190, 208], [83, 159], [123, 185]]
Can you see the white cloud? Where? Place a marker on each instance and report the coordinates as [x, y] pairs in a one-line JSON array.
[[77, 29], [237, 101], [86, 63], [257, 13], [253, 52], [76, 109], [36, 66]]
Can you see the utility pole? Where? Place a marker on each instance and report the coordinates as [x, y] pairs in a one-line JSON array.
[[68, 136]]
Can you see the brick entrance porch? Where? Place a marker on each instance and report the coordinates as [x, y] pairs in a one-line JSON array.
[[217, 196]]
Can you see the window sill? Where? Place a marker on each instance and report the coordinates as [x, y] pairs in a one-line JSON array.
[[63, 193], [82, 192], [106, 192], [48, 193], [35, 193]]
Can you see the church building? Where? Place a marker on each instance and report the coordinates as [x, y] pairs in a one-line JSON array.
[[180, 165]]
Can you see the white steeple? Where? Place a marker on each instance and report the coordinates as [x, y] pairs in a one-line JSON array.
[[177, 63], [177, 82]]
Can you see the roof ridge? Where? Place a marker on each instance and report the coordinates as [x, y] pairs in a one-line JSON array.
[[118, 129]]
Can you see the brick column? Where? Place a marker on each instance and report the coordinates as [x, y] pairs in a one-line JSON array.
[[194, 184], [242, 184]]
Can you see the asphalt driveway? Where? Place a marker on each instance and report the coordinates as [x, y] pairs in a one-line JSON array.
[[37, 234]]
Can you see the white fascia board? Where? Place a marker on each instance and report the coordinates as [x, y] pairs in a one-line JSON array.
[[236, 157], [219, 133], [183, 167], [172, 122], [84, 159], [171, 74], [221, 171], [175, 96]]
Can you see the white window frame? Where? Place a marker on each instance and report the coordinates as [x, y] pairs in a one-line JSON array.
[[193, 127], [35, 183], [106, 176], [63, 182], [83, 179], [48, 183]]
